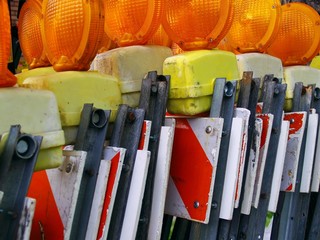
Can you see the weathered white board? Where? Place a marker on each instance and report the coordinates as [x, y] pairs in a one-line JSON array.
[[145, 135], [244, 114], [25, 222], [161, 179], [252, 169], [116, 156], [98, 199], [65, 184], [278, 168], [267, 121], [136, 192], [309, 153], [297, 125], [232, 169]]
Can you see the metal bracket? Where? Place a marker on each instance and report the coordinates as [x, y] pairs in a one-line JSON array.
[[154, 95], [90, 138], [125, 134], [16, 167]]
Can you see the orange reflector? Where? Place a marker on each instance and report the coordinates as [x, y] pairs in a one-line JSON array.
[[132, 22], [160, 38], [72, 32], [254, 26], [298, 39], [30, 34], [195, 24], [7, 79]]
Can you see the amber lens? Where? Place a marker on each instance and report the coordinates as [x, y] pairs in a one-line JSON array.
[[297, 41], [6, 78], [254, 26], [195, 24], [72, 32], [30, 34], [160, 37], [132, 22]]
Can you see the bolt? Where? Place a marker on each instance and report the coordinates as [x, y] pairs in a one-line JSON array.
[[196, 204], [259, 236], [22, 147], [69, 167], [292, 120], [154, 88], [214, 205], [276, 91], [208, 129]]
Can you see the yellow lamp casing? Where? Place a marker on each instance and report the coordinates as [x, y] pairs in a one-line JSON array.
[[298, 39], [192, 78]]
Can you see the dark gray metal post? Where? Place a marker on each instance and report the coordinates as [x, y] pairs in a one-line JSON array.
[[154, 95], [16, 163], [253, 225], [126, 134], [90, 138]]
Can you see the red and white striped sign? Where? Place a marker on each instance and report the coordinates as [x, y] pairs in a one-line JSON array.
[[193, 166]]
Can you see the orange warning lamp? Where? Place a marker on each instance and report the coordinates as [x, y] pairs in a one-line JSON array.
[[71, 32], [298, 39], [7, 79], [197, 24], [160, 37], [30, 34], [254, 26], [132, 22]]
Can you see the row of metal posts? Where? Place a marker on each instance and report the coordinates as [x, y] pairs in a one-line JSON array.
[[298, 220]]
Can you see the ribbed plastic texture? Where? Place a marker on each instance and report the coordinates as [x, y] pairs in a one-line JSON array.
[[72, 32], [298, 40], [160, 38], [254, 26], [29, 31], [197, 24], [7, 79], [132, 22]]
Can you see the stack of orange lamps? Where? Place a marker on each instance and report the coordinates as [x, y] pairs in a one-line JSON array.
[[7, 79], [197, 24], [298, 40], [254, 26], [72, 32], [30, 34], [132, 22]]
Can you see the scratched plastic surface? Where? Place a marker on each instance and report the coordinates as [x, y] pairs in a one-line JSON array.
[[299, 35], [30, 34], [72, 32], [197, 24], [7, 79], [132, 22], [254, 26]]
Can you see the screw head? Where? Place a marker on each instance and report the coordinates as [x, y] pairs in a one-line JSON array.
[[196, 204], [208, 129]]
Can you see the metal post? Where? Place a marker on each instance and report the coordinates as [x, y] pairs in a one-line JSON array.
[[17, 164], [252, 226], [154, 95], [248, 98], [90, 138], [222, 106], [125, 134]]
